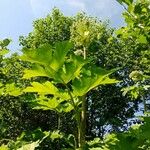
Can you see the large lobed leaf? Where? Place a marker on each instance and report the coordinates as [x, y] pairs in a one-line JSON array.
[[71, 69], [42, 88], [41, 55], [30, 146], [92, 78], [37, 71], [47, 55], [61, 50], [45, 103]]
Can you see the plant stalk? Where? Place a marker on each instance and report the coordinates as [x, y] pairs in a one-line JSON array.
[[82, 124]]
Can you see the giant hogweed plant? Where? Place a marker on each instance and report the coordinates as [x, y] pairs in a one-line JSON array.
[[68, 78]]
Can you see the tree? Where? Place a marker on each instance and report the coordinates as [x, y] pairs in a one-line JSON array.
[[137, 33], [101, 47], [55, 27]]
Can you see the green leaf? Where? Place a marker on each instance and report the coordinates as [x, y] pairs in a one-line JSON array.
[[102, 77], [56, 135], [142, 39], [57, 103], [42, 88], [31, 146], [1, 91], [71, 69], [4, 147], [138, 8], [12, 90], [61, 50], [3, 52], [63, 95], [120, 1], [46, 103], [146, 87], [134, 90], [128, 2], [81, 86], [96, 77], [119, 32], [1, 84], [41, 55], [67, 107], [36, 71], [6, 42], [50, 58]]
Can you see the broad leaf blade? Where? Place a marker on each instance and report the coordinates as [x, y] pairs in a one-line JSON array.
[[91, 79], [30, 146], [45, 88], [36, 71], [45, 103], [60, 52], [72, 69], [41, 55]]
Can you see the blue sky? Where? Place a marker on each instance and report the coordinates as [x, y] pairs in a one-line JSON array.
[[16, 16]]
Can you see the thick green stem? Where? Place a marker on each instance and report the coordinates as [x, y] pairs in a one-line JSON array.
[[82, 124], [78, 119], [80, 115], [77, 114]]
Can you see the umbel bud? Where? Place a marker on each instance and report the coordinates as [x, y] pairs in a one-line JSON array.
[[136, 75], [78, 52]]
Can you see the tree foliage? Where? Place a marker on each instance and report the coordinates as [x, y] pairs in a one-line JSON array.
[[101, 47], [59, 76]]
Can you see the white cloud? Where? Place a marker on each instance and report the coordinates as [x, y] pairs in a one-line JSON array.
[[41, 8], [78, 4], [104, 9], [35, 6]]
